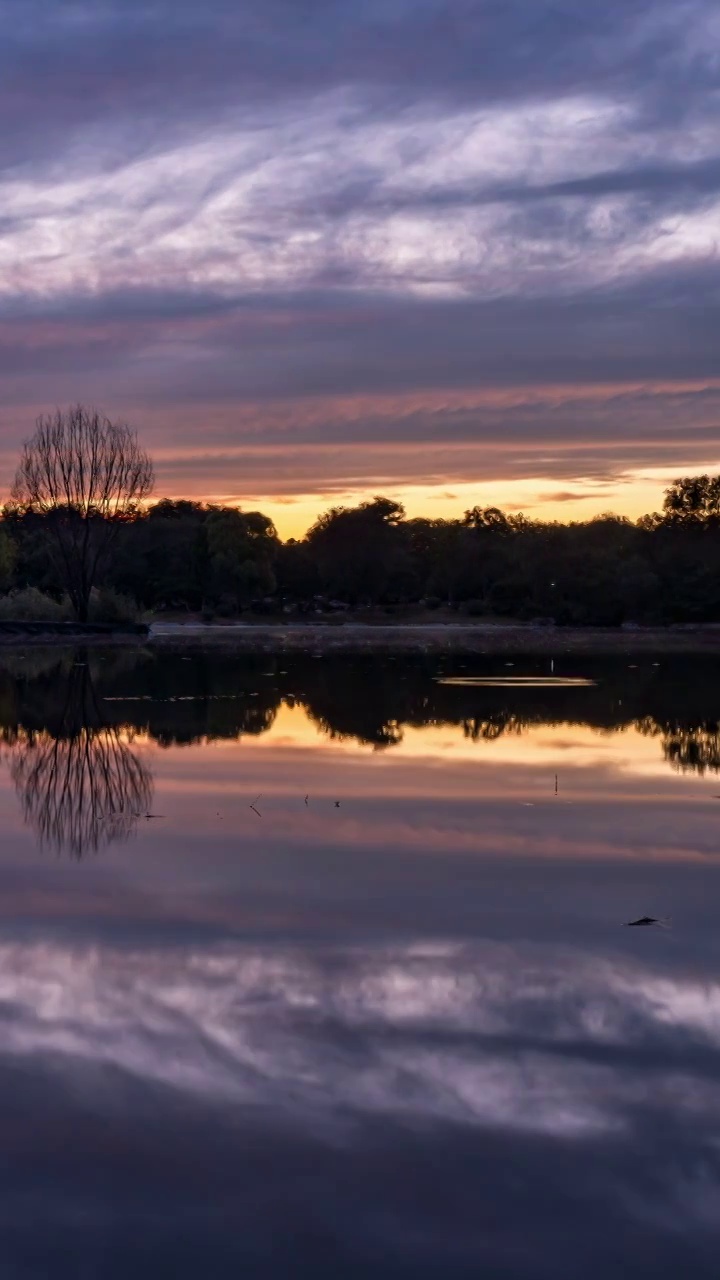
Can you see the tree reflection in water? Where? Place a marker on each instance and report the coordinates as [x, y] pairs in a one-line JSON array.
[[68, 718], [80, 793], [688, 748], [80, 784]]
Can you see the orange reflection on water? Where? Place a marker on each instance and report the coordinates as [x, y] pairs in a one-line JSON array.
[[438, 791], [559, 746]]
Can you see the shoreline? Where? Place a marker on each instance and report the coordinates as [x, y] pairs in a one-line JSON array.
[[410, 638], [419, 638]]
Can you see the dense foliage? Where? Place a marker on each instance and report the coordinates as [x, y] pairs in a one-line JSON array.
[[190, 556]]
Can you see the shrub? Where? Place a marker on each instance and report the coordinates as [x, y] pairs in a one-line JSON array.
[[107, 605], [226, 607], [31, 605]]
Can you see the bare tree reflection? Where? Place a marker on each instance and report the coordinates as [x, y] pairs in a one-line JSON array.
[[80, 784], [80, 793]]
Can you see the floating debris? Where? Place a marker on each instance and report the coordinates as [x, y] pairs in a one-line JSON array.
[[644, 921], [182, 697], [519, 682]]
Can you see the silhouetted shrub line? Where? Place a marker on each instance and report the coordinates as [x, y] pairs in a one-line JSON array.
[[364, 563]]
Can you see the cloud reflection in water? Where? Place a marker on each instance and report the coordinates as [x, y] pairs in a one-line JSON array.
[[522, 1038], [404, 1040]]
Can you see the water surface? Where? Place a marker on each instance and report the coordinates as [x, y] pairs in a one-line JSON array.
[[316, 967]]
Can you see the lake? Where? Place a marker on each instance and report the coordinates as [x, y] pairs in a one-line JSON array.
[[316, 967]]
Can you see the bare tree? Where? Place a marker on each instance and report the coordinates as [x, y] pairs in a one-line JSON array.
[[85, 475]]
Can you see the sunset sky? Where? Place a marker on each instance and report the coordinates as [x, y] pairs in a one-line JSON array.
[[456, 251]]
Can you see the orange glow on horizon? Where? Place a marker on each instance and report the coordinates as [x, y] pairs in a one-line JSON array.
[[635, 496], [256, 455]]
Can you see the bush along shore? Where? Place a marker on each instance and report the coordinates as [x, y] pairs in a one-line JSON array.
[[223, 564]]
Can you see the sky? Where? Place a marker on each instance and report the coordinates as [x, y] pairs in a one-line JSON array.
[[455, 251]]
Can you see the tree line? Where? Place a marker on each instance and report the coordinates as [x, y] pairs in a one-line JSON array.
[[79, 534]]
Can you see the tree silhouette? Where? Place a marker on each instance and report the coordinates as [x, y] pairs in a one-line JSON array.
[[693, 501], [85, 476]]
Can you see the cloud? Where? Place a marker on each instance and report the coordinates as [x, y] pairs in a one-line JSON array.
[[672, 186], [569, 495], [271, 49], [315, 391], [659, 326]]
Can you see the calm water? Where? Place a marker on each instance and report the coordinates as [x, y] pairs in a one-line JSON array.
[[357, 1001]]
